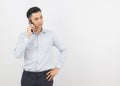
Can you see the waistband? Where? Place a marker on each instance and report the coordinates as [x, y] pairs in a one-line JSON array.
[[31, 72]]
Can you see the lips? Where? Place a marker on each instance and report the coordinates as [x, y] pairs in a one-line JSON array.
[[40, 25]]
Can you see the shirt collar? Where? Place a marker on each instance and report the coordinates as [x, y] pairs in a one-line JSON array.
[[43, 31]]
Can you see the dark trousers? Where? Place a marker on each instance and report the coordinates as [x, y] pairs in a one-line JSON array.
[[35, 79]]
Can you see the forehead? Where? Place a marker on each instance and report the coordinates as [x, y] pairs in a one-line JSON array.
[[37, 14]]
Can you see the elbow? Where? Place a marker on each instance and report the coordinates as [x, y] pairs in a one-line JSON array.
[[65, 50], [16, 54]]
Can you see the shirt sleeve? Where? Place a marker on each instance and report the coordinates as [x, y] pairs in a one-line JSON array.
[[58, 43], [21, 45]]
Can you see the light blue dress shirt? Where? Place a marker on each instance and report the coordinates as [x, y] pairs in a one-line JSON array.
[[37, 51]]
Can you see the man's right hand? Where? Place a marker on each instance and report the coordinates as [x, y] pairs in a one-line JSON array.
[[29, 32]]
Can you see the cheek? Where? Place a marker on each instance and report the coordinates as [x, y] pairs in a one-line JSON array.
[[35, 23], [41, 21]]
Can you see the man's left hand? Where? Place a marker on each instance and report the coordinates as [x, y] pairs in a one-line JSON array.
[[52, 73]]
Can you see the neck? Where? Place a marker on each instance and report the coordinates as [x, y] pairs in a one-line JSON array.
[[38, 30]]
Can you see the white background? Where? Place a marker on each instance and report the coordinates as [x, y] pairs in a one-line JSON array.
[[89, 28]]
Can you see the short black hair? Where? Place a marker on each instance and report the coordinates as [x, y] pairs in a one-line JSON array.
[[32, 10]]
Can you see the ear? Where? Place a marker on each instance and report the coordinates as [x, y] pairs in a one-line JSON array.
[[29, 20]]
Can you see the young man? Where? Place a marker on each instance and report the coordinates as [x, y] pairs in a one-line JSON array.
[[35, 45]]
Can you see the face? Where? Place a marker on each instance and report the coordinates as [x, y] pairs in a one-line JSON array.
[[37, 20]]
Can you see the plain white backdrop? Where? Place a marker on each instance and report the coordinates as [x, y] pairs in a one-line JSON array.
[[89, 28]]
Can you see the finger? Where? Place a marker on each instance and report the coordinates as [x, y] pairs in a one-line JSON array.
[[32, 25], [29, 30], [48, 76], [32, 28], [48, 72]]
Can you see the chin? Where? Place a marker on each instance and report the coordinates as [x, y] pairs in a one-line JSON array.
[[40, 26]]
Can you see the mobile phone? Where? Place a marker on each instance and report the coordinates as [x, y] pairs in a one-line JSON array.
[[30, 22]]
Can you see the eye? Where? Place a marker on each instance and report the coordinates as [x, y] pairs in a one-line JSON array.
[[36, 18]]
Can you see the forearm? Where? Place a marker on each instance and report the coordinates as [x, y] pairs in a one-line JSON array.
[[61, 59], [21, 47]]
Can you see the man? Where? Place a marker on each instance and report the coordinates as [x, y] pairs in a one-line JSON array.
[[35, 45]]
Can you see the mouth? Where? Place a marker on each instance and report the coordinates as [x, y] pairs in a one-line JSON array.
[[40, 25]]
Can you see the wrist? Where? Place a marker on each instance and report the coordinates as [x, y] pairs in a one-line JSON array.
[[57, 68]]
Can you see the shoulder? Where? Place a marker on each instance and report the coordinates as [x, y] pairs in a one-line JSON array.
[[22, 34], [49, 32]]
